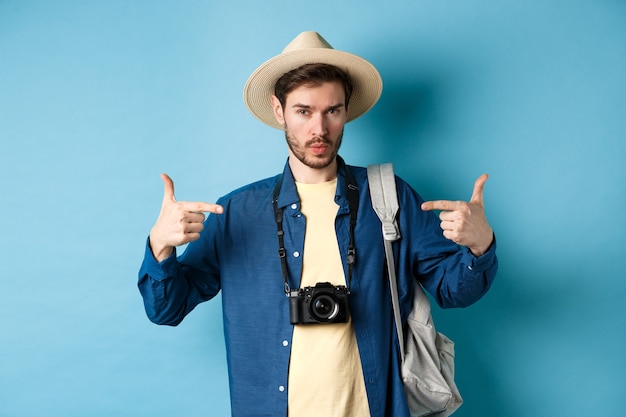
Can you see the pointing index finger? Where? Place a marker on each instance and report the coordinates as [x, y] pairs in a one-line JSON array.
[[445, 205], [199, 206]]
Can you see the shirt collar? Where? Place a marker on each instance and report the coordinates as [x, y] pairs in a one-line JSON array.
[[289, 194]]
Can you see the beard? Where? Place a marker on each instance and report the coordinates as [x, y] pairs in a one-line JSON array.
[[309, 159]]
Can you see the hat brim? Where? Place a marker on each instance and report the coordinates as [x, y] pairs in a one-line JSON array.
[[260, 86]]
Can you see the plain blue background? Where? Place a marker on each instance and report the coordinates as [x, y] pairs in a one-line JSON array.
[[98, 98]]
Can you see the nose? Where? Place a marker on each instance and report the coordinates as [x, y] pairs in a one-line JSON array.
[[319, 125]]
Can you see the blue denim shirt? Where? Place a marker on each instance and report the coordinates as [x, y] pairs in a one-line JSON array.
[[237, 254]]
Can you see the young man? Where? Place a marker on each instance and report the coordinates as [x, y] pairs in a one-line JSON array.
[[299, 257]]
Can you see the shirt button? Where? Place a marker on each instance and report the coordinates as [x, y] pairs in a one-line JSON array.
[[296, 254], [281, 389], [470, 267], [285, 343], [294, 206]]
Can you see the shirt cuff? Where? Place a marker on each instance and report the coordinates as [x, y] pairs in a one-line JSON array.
[[159, 270], [482, 262]]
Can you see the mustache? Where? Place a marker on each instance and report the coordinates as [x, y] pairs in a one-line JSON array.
[[317, 141]]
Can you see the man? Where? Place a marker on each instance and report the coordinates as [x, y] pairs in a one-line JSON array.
[[299, 257]]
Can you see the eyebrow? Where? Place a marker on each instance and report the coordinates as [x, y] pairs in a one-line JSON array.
[[306, 106]]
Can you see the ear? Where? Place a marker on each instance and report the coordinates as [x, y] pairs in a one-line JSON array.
[[278, 110]]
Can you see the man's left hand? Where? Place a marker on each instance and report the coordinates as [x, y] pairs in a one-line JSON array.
[[465, 222]]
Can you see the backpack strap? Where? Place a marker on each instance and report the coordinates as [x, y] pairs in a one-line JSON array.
[[382, 184]]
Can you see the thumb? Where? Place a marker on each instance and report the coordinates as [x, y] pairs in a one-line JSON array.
[[168, 189], [479, 186]]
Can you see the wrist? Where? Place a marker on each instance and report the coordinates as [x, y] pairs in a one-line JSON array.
[[479, 251], [160, 252]]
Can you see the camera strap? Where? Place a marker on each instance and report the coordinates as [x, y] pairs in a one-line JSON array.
[[353, 203]]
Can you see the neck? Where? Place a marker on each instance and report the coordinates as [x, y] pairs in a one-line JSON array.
[[307, 175]]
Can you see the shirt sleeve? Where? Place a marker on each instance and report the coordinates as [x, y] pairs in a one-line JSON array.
[[449, 272], [172, 288]]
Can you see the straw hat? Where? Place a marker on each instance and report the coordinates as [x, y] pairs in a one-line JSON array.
[[308, 48]]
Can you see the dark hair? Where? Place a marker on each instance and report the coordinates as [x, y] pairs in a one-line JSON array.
[[312, 75]]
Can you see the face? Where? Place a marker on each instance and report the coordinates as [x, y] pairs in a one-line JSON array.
[[314, 117]]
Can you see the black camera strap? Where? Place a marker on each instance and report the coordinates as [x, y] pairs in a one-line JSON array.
[[353, 203]]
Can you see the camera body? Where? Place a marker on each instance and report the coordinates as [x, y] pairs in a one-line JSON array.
[[323, 303]]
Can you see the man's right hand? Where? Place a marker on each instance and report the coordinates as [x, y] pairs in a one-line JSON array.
[[179, 222]]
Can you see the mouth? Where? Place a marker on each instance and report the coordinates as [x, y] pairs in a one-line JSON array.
[[319, 147]]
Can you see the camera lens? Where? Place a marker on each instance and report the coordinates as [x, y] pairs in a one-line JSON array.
[[324, 307]]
